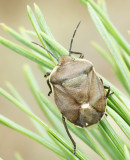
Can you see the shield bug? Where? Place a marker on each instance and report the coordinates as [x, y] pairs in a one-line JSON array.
[[78, 91]]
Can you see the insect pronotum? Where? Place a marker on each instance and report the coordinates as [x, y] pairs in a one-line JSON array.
[[79, 93]]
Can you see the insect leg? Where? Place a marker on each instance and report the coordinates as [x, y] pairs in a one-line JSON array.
[[49, 87], [108, 92], [81, 54], [47, 74], [66, 128]]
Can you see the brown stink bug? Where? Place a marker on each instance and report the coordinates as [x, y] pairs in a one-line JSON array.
[[79, 93]]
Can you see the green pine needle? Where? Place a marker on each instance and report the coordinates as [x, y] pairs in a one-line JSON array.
[[102, 138]]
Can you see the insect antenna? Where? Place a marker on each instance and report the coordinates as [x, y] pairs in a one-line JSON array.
[[46, 50], [73, 38], [66, 128]]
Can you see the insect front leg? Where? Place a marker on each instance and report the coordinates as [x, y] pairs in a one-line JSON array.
[[81, 54], [108, 92], [66, 128], [49, 87], [46, 75]]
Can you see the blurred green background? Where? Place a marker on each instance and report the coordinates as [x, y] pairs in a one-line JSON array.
[[62, 17]]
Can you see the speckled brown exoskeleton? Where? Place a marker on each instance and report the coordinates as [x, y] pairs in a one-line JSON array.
[[78, 91]]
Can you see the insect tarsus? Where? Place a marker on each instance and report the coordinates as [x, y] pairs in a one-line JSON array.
[[108, 92], [49, 87]]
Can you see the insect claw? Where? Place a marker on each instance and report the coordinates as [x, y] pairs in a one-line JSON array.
[[74, 150], [108, 92], [47, 74], [81, 56], [111, 93], [106, 114], [49, 93]]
